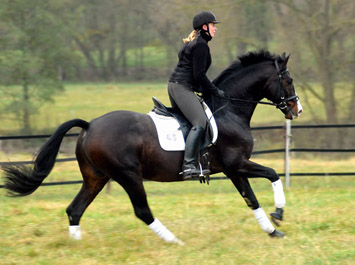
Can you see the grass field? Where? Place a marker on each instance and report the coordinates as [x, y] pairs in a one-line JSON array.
[[214, 222], [88, 101]]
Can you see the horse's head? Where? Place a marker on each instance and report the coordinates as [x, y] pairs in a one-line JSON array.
[[280, 90]]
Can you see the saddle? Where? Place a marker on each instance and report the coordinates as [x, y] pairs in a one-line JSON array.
[[161, 109], [185, 125], [173, 129]]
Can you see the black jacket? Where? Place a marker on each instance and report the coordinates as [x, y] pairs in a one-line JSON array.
[[194, 61]]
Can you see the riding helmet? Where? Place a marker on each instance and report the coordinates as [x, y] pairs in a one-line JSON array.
[[203, 18]]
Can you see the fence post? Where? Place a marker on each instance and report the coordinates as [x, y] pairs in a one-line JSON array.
[[287, 152]]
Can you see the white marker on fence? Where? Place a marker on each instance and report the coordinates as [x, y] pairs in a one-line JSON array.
[[287, 152]]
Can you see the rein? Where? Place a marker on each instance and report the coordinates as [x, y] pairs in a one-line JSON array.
[[251, 101], [283, 103]]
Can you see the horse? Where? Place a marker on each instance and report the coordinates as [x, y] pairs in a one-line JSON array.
[[123, 146]]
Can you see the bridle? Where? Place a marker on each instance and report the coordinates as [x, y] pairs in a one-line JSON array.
[[282, 105]]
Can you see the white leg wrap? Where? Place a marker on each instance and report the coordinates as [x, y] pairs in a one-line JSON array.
[[279, 195], [164, 233], [75, 232], [263, 221]]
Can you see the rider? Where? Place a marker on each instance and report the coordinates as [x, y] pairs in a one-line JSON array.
[[189, 77]]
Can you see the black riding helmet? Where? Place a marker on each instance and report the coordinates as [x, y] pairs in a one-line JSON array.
[[203, 18]]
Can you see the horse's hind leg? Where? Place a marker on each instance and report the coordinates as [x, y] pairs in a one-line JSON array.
[[136, 192], [92, 185]]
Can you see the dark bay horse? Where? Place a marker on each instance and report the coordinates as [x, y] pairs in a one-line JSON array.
[[123, 146]]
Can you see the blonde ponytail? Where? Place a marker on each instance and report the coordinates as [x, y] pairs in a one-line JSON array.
[[191, 37]]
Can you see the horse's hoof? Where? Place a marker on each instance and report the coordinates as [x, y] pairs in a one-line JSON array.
[[275, 220], [277, 234], [276, 217], [180, 243], [177, 241]]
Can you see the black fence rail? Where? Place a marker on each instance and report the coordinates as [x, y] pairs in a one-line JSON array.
[[307, 150]]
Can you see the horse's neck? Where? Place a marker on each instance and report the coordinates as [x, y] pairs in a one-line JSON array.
[[236, 112], [241, 109]]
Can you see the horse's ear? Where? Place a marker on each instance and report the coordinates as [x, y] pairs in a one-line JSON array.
[[284, 59]]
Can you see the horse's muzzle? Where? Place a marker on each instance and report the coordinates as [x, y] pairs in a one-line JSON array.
[[294, 110]]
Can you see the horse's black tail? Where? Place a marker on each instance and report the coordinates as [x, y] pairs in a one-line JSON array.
[[23, 180]]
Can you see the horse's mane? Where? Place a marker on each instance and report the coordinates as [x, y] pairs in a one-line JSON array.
[[244, 61]]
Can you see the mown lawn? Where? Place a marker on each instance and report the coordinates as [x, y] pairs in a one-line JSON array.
[[91, 100], [213, 221]]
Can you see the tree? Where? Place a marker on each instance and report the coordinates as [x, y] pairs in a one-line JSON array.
[[107, 30], [172, 20], [325, 30], [32, 54]]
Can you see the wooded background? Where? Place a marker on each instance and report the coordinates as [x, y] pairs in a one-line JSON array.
[[46, 43]]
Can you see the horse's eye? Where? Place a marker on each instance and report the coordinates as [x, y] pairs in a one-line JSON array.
[[289, 81]]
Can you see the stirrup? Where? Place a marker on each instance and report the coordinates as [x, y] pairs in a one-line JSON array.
[[190, 173], [202, 174]]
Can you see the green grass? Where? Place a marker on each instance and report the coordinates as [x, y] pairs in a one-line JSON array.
[[88, 101], [214, 222], [154, 57]]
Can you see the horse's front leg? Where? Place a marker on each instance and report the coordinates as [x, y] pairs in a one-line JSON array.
[[243, 186], [254, 170]]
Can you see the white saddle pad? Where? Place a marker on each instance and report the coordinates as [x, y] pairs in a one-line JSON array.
[[169, 133]]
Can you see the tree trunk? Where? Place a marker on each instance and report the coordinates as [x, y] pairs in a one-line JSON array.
[[88, 57], [103, 69], [351, 115], [329, 99], [111, 63], [26, 109]]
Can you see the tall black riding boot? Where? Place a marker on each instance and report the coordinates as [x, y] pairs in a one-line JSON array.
[[192, 148]]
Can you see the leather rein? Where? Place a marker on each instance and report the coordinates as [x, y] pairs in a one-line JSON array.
[[283, 103]]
